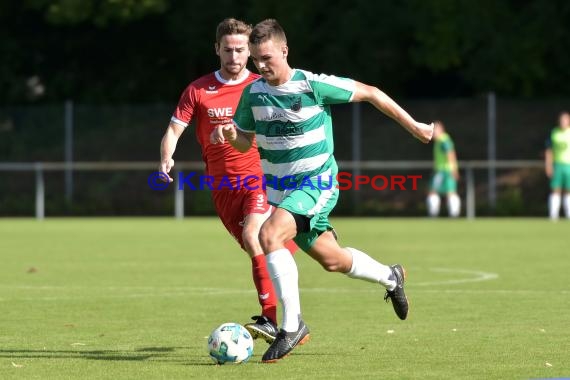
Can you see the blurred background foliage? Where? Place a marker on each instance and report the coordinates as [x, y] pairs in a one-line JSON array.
[[125, 51]]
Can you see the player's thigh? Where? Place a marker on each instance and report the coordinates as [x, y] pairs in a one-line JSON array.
[[229, 207], [255, 209], [557, 179], [315, 205], [279, 228], [449, 184], [437, 182]]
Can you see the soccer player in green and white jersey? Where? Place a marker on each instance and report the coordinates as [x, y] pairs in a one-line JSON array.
[[288, 112], [557, 166], [446, 174]]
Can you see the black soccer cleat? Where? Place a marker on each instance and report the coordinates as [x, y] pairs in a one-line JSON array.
[[285, 342], [398, 296], [263, 328]]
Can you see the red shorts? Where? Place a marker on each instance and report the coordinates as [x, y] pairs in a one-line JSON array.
[[233, 206]]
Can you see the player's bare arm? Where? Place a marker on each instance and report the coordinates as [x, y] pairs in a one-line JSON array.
[[240, 140], [168, 146], [548, 162], [390, 108]]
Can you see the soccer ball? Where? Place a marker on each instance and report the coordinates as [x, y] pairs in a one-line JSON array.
[[230, 343]]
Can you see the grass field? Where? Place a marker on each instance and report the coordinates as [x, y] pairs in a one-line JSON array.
[[136, 299]]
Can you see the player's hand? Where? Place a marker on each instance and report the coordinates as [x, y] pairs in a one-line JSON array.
[[165, 167], [223, 132], [423, 132]]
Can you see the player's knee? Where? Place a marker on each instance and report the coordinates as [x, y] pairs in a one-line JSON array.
[[267, 238], [331, 265], [249, 237], [248, 242]]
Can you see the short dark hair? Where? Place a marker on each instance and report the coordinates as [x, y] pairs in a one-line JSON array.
[[231, 26], [266, 30]]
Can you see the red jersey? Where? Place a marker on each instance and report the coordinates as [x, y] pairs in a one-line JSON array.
[[212, 100]]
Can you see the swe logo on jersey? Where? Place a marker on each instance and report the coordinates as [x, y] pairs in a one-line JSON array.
[[220, 112]]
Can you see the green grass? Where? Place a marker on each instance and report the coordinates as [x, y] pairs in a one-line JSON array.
[[136, 298]]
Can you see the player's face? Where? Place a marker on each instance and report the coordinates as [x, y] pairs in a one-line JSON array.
[[565, 120], [270, 58], [437, 130], [233, 51]]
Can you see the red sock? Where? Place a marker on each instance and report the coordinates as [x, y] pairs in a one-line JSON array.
[[291, 246], [266, 293]]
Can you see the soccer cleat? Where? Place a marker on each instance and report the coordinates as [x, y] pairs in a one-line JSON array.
[[397, 296], [285, 342], [263, 328]]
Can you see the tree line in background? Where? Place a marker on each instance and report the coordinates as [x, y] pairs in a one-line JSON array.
[[125, 51]]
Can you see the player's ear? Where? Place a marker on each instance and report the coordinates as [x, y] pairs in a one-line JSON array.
[[217, 48], [285, 50]]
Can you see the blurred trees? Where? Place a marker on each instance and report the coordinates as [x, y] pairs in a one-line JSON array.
[[109, 51]]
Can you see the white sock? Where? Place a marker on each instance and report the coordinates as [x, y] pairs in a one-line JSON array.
[[285, 277], [567, 205], [554, 206], [433, 203], [366, 268], [454, 205]]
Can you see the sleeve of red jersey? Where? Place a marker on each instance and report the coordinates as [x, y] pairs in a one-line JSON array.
[[185, 109]]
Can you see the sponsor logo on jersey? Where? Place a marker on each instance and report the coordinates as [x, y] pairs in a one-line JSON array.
[[220, 112], [273, 116], [296, 105], [279, 128]]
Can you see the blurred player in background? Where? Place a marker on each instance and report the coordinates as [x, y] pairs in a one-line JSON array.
[[288, 112], [557, 166], [446, 174], [211, 100]]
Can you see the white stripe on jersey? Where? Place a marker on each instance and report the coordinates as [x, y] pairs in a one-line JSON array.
[[270, 113], [277, 196], [290, 142], [295, 167], [178, 121], [294, 87]]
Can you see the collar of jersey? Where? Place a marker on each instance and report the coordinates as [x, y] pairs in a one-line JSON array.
[[231, 82]]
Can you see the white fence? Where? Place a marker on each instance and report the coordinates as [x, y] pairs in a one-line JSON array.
[[467, 167]]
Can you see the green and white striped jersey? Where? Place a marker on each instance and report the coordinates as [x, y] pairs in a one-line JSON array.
[[559, 142], [293, 127]]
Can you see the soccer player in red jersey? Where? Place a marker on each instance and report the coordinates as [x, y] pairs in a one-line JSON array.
[[242, 207]]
